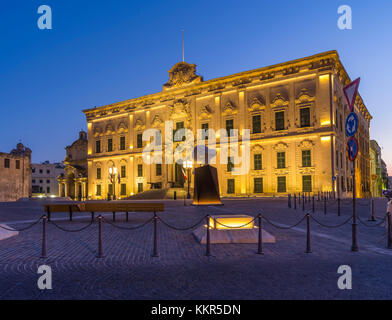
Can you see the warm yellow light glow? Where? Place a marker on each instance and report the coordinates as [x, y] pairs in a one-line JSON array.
[[233, 221], [187, 164], [326, 123], [326, 138], [324, 77]]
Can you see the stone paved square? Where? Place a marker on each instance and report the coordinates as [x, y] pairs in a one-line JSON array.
[[182, 271]]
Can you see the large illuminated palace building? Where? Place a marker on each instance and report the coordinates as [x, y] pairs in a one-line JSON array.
[[295, 112]]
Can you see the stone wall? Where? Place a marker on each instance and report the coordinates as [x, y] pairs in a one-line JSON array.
[[15, 178]]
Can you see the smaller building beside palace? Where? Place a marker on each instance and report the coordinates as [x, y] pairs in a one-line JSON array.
[[15, 174], [44, 179]]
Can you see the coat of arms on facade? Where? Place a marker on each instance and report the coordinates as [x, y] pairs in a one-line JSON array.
[[182, 74]]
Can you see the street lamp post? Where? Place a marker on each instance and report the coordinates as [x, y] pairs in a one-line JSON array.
[[112, 177], [188, 165]]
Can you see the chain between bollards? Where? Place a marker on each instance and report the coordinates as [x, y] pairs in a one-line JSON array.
[[308, 249], [100, 254], [155, 252], [208, 244], [260, 246], [43, 253]]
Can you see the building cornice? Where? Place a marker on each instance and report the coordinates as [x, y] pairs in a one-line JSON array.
[[322, 63]]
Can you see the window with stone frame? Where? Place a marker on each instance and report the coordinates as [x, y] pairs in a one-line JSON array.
[[306, 158], [256, 123], [281, 160], [139, 140], [258, 185], [123, 171], [257, 161], [98, 190], [123, 189], [229, 127], [307, 183], [304, 114], [179, 125], [281, 184], [158, 169], [98, 146], [140, 187], [122, 143], [99, 173], [110, 145], [7, 163], [279, 120], [230, 186], [140, 170]]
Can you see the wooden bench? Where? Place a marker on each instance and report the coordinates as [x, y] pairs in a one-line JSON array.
[[113, 207]]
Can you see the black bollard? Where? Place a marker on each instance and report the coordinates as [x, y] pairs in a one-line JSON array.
[[303, 203], [313, 204], [325, 206], [308, 249], [114, 216], [318, 196], [339, 206], [295, 201], [299, 198], [389, 244], [175, 195], [289, 201], [372, 216], [126, 216], [70, 213], [208, 244], [92, 216], [100, 255], [260, 246], [155, 254], [43, 253]]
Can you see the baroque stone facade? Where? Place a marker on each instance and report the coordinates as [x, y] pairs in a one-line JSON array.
[[73, 183], [294, 110], [15, 174]]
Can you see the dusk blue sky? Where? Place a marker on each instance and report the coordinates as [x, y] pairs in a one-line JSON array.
[[100, 52]]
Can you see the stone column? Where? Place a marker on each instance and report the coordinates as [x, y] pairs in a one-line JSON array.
[[83, 191]]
